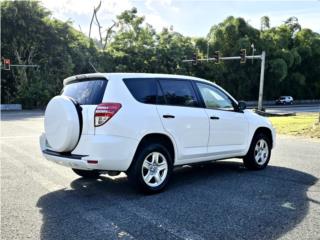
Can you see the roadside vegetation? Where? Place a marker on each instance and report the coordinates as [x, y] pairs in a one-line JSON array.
[[300, 125], [30, 35]]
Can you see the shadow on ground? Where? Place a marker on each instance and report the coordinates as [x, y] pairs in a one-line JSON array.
[[217, 201]]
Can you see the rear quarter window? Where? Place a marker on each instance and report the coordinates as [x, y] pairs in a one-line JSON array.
[[86, 92], [142, 89]]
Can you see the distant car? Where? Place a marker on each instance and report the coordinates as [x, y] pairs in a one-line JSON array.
[[284, 100]]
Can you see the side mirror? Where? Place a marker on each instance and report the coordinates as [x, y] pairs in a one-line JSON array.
[[242, 105]]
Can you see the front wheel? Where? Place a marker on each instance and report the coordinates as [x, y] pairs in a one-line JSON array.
[[259, 152], [151, 169], [93, 174]]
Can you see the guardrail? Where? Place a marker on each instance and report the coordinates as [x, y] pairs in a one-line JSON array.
[[272, 102], [10, 107]]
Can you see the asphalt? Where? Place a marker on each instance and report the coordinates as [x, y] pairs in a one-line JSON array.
[[222, 200]]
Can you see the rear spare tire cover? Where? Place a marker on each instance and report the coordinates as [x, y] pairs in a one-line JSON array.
[[62, 124]]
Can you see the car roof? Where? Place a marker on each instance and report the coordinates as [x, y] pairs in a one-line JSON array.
[[110, 76]]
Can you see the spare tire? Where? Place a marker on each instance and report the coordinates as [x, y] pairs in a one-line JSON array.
[[63, 123]]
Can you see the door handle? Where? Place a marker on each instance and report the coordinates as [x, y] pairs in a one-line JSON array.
[[214, 118], [168, 116]]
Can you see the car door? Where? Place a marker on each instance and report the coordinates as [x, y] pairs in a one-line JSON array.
[[183, 118], [228, 128]]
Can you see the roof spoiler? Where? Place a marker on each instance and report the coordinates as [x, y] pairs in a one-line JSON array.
[[83, 76]]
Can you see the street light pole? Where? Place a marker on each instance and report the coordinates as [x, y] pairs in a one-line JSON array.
[[263, 60]]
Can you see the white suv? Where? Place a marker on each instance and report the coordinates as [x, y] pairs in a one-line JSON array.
[[284, 100], [145, 124]]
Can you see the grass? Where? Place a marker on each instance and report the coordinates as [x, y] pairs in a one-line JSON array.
[[300, 125]]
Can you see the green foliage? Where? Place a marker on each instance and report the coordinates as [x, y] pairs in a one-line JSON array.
[[278, 69], [292, 66], [30, 36]]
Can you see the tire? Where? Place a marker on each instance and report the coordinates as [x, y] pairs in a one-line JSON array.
[[151, 168], [261, 144], [92, 174]]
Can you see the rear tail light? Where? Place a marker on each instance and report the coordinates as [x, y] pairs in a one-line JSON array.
[[104, 112]]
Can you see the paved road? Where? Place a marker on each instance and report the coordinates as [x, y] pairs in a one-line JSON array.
[[298, 108], [41, 200]]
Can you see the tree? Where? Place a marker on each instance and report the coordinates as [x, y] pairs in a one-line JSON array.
[[293, 24], [265, 23], [292, 65], [55, 46]]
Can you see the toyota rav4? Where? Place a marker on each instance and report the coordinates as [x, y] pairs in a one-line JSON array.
[[146, 124]]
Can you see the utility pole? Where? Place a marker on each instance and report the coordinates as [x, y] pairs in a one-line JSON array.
[[242, 58], [263, 60]]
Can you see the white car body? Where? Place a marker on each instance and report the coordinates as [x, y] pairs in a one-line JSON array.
[[194, 136], [285, 100]]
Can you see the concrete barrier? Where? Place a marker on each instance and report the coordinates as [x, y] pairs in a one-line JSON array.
[[10, 107]]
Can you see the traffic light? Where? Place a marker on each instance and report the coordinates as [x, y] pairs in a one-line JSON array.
[[243, 54], [216, 55], [194, 59], [6, 64]]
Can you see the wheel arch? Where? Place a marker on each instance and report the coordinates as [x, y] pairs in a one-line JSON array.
[[156, 138], [266, 131]]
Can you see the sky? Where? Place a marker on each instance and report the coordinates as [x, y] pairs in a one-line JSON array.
[[189, 17]]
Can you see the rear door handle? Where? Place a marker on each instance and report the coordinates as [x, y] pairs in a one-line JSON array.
[[168, 116], [214, 118]]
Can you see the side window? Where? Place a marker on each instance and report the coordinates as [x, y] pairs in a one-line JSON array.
[[142, 89], [178, 92], [214, 98]]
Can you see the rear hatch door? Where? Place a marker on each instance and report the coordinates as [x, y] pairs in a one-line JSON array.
[[88, 92]]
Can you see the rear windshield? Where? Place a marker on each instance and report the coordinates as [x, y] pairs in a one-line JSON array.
[[86, 92]]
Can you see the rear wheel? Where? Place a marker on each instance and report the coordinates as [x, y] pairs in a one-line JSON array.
[[259, 152], [151, 169], [93, 174]]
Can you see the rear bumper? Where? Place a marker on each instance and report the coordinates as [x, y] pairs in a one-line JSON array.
[[110, 152], [68, 161]]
